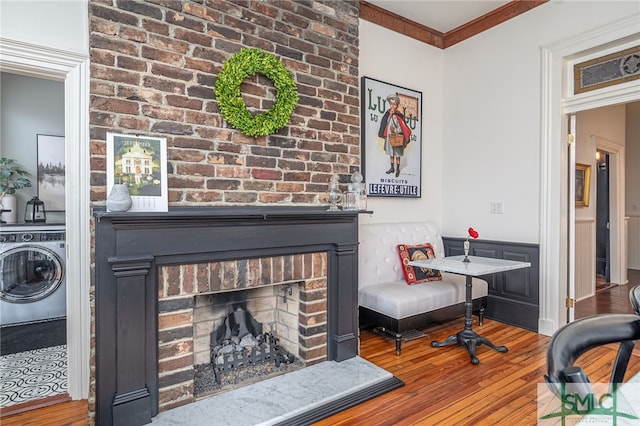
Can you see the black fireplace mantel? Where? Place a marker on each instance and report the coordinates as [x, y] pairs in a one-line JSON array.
[[129, 248]]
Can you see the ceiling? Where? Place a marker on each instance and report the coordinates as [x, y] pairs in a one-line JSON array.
[[440, 15], [442, 23]]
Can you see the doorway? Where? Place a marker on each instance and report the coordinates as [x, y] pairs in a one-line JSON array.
[[557, 83], [70, 68], [603, 243], [599, 235], [33, 310], [610, 252], [614, 236]]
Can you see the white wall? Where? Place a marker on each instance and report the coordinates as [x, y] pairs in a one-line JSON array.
[[393, 58], [633, 183], [633, 159], [482, 105], [492, 118], [30, 106], [50, 39], [35, 105], [61, 24]]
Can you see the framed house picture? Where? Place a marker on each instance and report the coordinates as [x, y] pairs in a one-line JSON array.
[[51, 172], [583, 181], [140, 162], [391, 139]]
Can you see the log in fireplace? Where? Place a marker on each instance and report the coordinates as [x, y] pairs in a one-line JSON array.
[[240, 343], [130, 247]]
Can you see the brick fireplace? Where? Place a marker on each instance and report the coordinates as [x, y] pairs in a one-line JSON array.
[[287, 294], [147, 262]]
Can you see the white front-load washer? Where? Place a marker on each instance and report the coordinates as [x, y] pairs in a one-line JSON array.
[[32, 273]]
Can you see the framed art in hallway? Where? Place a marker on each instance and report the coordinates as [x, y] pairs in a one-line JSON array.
[[583, 181], [51, 170], [391, 139]]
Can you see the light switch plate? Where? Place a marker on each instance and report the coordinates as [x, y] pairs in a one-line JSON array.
[[496, 207]]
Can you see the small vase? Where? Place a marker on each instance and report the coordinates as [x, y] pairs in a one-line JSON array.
[[119, 199], [466, 251], [8, 205]]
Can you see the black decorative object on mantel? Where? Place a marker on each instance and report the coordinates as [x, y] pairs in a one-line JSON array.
[[130, 249], [35, 211]]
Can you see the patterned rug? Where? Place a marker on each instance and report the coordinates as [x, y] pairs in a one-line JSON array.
[[31, 375]]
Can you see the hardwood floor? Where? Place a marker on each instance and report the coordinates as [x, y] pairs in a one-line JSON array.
[[441, 385], [610, 300], [67, 413]]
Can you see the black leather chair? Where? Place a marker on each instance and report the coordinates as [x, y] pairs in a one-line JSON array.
[[576, 338], [634, 298]]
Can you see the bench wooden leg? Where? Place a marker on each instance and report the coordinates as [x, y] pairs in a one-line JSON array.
[[398, 343], [481, 315]]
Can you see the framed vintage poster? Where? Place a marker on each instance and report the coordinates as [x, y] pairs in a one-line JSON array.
[[583, 184], [391, 139], [140, 162], [51, 172]]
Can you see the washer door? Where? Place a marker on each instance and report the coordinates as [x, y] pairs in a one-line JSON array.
[[29, 273]]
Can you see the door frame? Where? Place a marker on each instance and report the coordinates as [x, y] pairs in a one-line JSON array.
[[617, 204], [557, 103], [571, 219], [72, 69]]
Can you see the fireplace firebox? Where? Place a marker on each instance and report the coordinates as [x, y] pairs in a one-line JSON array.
[[241, 343], [130, 247]]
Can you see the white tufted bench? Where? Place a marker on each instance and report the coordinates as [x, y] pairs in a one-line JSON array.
[[387, 301]]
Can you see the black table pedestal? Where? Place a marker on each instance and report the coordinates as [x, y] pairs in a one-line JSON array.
[[467, 337]]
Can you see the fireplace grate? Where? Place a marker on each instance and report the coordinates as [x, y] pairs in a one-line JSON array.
[[240, 343], [247, 352]]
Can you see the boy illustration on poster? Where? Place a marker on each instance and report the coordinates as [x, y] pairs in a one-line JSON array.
[[391, 139], [393, 128]]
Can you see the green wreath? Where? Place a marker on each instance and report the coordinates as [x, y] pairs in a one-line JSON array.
[[241, 66]]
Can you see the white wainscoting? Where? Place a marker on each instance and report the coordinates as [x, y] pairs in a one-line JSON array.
[[633, 241], [585, 258]]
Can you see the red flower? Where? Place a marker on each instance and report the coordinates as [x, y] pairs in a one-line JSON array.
[[473, 233]]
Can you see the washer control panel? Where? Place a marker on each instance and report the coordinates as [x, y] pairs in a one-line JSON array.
[[28, 237]]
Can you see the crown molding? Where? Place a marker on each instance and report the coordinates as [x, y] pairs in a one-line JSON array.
[[384, 18]]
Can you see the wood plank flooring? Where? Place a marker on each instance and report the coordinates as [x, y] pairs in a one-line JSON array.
[[441, 385], [41, 413], [613, 299]]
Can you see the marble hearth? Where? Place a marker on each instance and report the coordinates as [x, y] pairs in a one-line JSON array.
[[287, 295]]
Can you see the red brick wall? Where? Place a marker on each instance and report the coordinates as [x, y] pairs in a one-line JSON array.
[[153, 69]]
